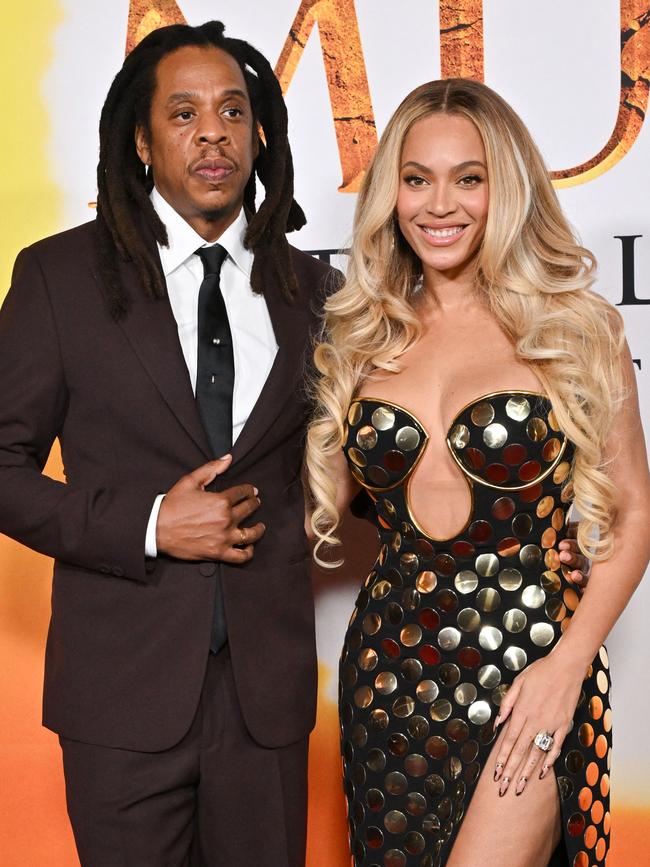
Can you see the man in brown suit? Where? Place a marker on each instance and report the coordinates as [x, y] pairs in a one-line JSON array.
[[182, 684]]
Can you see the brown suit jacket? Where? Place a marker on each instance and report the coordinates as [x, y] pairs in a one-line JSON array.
[[128, 639]]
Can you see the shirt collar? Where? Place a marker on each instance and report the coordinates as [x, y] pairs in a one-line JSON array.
[[184, 240]]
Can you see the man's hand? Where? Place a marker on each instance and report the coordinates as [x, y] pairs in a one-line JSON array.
[[576, 566], [194, 524]]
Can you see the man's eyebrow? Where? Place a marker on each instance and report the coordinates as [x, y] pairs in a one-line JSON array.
[[189, 95], [459, 168]]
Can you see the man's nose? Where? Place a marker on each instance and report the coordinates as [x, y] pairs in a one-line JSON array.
[[211, 129]]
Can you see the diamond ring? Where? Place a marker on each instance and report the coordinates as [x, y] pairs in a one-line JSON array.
[[543, 740]]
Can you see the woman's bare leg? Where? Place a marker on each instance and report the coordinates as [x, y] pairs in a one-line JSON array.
[[513, 830]]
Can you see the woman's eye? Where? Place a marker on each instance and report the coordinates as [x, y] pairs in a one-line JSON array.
[[470, 180], [414, 180]]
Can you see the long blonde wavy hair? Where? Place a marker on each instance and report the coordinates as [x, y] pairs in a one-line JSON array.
[[535, 278]]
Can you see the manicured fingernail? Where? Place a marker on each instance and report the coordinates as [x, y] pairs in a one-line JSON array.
[[497, 722], [498, 770], [521, 785], [543, 772], [503, 788], [256, 491]]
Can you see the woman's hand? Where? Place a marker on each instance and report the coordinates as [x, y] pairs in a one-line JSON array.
[[542, 698], [576, 566]]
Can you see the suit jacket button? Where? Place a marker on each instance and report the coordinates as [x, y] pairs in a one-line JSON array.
[[105, 569], [207, 569], [118, 571]]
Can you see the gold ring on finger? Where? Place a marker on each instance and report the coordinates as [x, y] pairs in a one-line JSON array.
[[242, 532]]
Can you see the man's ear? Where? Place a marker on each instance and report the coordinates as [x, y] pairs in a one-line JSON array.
[[142, 145]]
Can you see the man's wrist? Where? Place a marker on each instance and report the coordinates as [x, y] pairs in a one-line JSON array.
[[151, 544]]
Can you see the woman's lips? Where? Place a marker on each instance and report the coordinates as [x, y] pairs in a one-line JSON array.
[[442, 237]]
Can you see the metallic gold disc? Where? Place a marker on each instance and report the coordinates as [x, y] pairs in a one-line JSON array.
[[469, 619], [464, 694], [510, 579], [479, 712], [448, 674], [395, 822], [371, 624], [503, 508], [550, 582], [515, 658], [377, 475], [489, 676], [375, 800], [357, 457], [368, 659], [604, 658], [549, 538], [536, 429], [409, 562], [418, 727], [514, 620], [488, 599], [545, 506], [495, 436], [416, 804], [363, 696], [440, 710], [449, 638], [414, 842], [427, 691], [416, 765], [381, 589], [403, 706], [508, 547], [482, 414], [530, 555], [586, 734], [466, 581], [395, 783], [354, 413], [411, 635], [490, 638], [486, 565], [383, 418], [533, 596], [367, 437], [437, 748], [561, 472], [522, 524], [551, 449], [518, 408], [459, 436], [557, 521], [601, 681], [407, 438], [426, 582], [385, 682], [542, 634]]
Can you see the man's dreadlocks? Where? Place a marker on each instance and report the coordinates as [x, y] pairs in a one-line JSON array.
[[123, 203]]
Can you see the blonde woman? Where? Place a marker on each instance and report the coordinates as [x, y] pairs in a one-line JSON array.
[[472, 383]]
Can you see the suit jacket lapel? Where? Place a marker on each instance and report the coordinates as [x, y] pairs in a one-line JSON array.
[[152, 332], [290, 324]]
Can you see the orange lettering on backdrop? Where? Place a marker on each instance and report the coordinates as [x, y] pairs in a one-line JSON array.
[[148, 15], [633, 100], [345, 68], [461, 39]]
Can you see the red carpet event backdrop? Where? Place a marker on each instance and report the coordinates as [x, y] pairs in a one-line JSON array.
[[578, 72]]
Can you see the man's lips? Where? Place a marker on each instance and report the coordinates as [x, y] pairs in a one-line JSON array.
[[213, 170]]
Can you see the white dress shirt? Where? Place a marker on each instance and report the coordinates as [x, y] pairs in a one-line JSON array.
[[254, 343]]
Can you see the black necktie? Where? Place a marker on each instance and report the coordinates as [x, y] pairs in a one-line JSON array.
[[215, 380]]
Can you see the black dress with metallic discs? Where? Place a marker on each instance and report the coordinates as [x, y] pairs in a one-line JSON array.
[[441, 629]]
